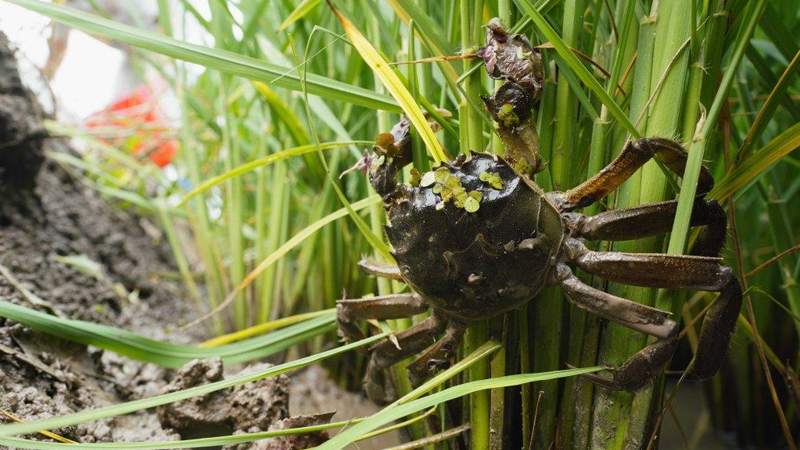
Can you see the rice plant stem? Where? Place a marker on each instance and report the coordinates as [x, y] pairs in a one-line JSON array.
[[691, 174]]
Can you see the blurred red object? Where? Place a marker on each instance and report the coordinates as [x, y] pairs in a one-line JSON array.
[[136, 122]]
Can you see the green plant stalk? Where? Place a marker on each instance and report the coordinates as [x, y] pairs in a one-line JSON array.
[[200, 226], [471, 128], [566, 104], [261, 240], [233, 208], [547, 108], [497, 326], [665, 120], [177, 251], [576, 406], [420, 156], [277, 205], [549, 308], [525, 366], [697, 149], [615, 346]]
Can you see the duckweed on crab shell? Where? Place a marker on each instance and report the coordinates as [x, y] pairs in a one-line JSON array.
[[454, 247]]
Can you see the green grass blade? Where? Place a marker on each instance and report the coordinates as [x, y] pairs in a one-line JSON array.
[[265, 161], [757, 163], [212, 58], [152, 402], [574, 64], [770, 106], [165, 354], [162, 353], [299, 12], [387, 415]]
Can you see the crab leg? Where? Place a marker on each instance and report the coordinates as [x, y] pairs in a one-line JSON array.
[[518, 135], [436, 356], [631, 158], [641, 367], [651, 321], [672, 272], [380, 269], [386, 353], [385, 307], [655, 218]]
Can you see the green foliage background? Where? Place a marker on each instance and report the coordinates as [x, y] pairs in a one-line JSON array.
[[268, 214]]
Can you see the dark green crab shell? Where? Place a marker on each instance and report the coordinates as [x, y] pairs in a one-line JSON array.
[[472, 266]]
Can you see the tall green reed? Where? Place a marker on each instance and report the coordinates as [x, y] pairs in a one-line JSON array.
[[664, 60]]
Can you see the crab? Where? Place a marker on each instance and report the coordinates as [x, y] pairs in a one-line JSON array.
[[477, 237]]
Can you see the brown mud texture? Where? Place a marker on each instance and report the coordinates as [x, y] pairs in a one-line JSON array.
[[48, 216]]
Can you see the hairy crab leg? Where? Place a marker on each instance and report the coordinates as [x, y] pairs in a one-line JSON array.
[[386, 353], [380, 269], [674, 272], [655, 218], [395, 306], [648, 320], [642, 366], [631, 158], [437, 356]]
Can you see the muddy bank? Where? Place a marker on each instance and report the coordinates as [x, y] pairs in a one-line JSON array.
[[46, 219], [49, 220]]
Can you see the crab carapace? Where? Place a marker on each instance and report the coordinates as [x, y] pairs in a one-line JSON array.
[[476, 237]]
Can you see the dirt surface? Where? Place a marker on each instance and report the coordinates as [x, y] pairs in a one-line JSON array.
[[312, 391], [249, 408], [45, 216]]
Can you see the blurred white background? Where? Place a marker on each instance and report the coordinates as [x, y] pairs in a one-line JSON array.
[[85, 74]]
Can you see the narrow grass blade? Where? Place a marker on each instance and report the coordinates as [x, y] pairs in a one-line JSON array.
[[770, 106], [165, 354], [757, 163], [387, 415], [299, 12], [212, 58], [576, 66], [152, 402], [263, 328], [265, 161], [489, 348], [393, 84], [44, 433]]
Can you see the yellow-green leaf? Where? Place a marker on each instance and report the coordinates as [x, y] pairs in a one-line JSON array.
[[301, 10], [260, 162], [757, 163], [393, 84]]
